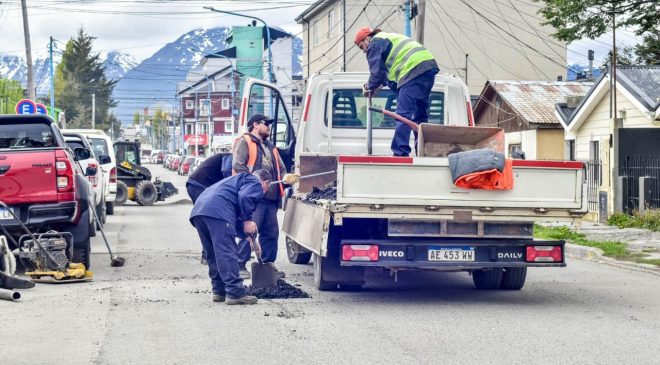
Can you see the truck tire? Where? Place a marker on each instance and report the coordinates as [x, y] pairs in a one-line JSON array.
[[513, 278], [297, 254], [82, 252], [145, 193], [487, 279], [122, 193], [321, 281], [109, 208]]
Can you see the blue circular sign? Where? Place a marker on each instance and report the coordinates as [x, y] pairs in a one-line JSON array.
[[26, 106], [41, 109]]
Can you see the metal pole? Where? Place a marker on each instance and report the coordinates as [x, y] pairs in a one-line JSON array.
[[28, 53], [52, 79], [406, 26], [466, 68], [270, 54], [93, 111], [208, 130], [196, 123], [369, 126]]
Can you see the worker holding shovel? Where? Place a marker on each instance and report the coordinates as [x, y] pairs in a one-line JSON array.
[[221, 210], [404, 66]]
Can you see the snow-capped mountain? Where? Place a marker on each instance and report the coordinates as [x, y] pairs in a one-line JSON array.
[[117, 64], [14, 67]]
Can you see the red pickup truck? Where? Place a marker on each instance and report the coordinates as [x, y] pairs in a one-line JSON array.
[[42, 183]]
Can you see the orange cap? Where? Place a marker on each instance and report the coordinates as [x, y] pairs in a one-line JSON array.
[[362, 33]]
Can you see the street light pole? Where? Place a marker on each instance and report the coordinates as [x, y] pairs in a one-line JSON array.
[[270, 54], [209, 112]]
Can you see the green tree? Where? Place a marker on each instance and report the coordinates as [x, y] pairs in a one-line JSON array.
[[159, 123], [624, 56], [136, 118], [648, 52], [11, 92], [78, 76], [578, 19]]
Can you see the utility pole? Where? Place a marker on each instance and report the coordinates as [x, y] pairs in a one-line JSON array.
[[93, 111], [28, 52], [52, 79], [419, 21], [466, 68], [616, 123]]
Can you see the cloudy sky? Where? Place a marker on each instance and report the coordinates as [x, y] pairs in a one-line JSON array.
[[141, 27], [138, 28]]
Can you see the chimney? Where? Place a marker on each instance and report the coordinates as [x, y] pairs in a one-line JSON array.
[[591, 63], [573, 101]]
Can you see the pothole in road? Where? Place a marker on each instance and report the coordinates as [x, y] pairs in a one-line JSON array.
[[284, 290]]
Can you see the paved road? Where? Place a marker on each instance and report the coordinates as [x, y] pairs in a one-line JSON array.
[[158, 310]]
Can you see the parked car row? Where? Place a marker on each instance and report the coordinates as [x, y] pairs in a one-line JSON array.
[[183, 165]]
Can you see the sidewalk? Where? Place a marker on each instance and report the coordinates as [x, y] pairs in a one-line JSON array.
[[636, 239]]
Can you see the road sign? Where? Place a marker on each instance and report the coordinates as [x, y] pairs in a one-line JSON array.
[[41, 109], [26, 106]]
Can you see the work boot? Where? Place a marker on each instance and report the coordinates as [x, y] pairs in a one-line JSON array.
[[243, 273], [246, 299], [12, 282], [218, 298]]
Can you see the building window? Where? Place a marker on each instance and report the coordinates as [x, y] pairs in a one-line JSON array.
[[190, 104], [315, 33], [229, 127], [515, 151], [331, 24], [571, 149], [203, 107], [225, 104]]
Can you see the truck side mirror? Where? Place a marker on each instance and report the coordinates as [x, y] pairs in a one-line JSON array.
[[81, 153], [104, 159]]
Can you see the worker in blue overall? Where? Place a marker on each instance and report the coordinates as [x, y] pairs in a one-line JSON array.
[[407, 68], [222, 210]]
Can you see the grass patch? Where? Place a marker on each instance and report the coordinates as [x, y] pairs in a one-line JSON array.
[[617, 250], [650, 219]]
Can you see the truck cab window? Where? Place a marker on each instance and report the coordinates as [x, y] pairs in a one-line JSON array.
[[264, 100], [349, 109]]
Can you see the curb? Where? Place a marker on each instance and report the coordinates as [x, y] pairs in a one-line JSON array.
[[596, 255]]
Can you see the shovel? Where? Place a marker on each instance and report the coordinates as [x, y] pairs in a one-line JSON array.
[[263, 275], [414, 126]]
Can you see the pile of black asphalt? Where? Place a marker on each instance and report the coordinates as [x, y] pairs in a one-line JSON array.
[[284, 290], [328, 192]]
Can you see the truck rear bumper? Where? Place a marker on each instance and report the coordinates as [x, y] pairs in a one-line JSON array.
[[37, 215], [452, 254]]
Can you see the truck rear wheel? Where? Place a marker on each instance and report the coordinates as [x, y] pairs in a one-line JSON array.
[[513, 278], [122, 193], [297, 254], [82, 253], [487, 279], [110, 208], [321, 270], [146, 193]]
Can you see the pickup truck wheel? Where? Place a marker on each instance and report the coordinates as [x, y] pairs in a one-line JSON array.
[[297, 254], [513, 278], [110, 208], [320, 275], [81, 253], [145, 193], [487, 279], [122, 193]]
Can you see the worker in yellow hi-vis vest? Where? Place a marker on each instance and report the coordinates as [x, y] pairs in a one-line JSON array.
[[404, 66]]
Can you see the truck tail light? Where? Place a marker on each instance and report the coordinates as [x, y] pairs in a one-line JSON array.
[[359, 253], [93, 178], [113, 175], [544, 254], [64, 172]]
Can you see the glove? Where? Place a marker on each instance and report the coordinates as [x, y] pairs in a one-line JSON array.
[[365, 92], [291, 179]]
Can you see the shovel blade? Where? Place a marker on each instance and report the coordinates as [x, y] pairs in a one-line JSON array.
[[263, 275]]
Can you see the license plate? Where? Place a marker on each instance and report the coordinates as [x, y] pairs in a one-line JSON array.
[[463, 253], [4, 214]]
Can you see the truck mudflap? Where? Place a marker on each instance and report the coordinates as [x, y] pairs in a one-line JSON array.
[[452, 254]]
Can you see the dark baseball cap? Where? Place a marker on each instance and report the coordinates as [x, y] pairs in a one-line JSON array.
[[257, 118]]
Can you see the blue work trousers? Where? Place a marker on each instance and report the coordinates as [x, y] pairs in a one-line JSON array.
[[194, 191], [219, 242], [412, 102], [265, 216]]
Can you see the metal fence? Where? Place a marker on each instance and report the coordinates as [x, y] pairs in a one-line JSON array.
[[632, 169], [594, 178]]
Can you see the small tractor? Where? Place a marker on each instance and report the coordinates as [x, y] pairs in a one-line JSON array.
[[134, 181]]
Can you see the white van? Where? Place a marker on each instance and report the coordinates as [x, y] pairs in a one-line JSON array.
[[102, 145]]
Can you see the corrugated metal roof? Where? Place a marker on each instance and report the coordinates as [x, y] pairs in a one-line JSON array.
[[535, 100]]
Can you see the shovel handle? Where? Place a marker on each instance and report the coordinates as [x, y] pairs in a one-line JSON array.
[[414, 126]]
